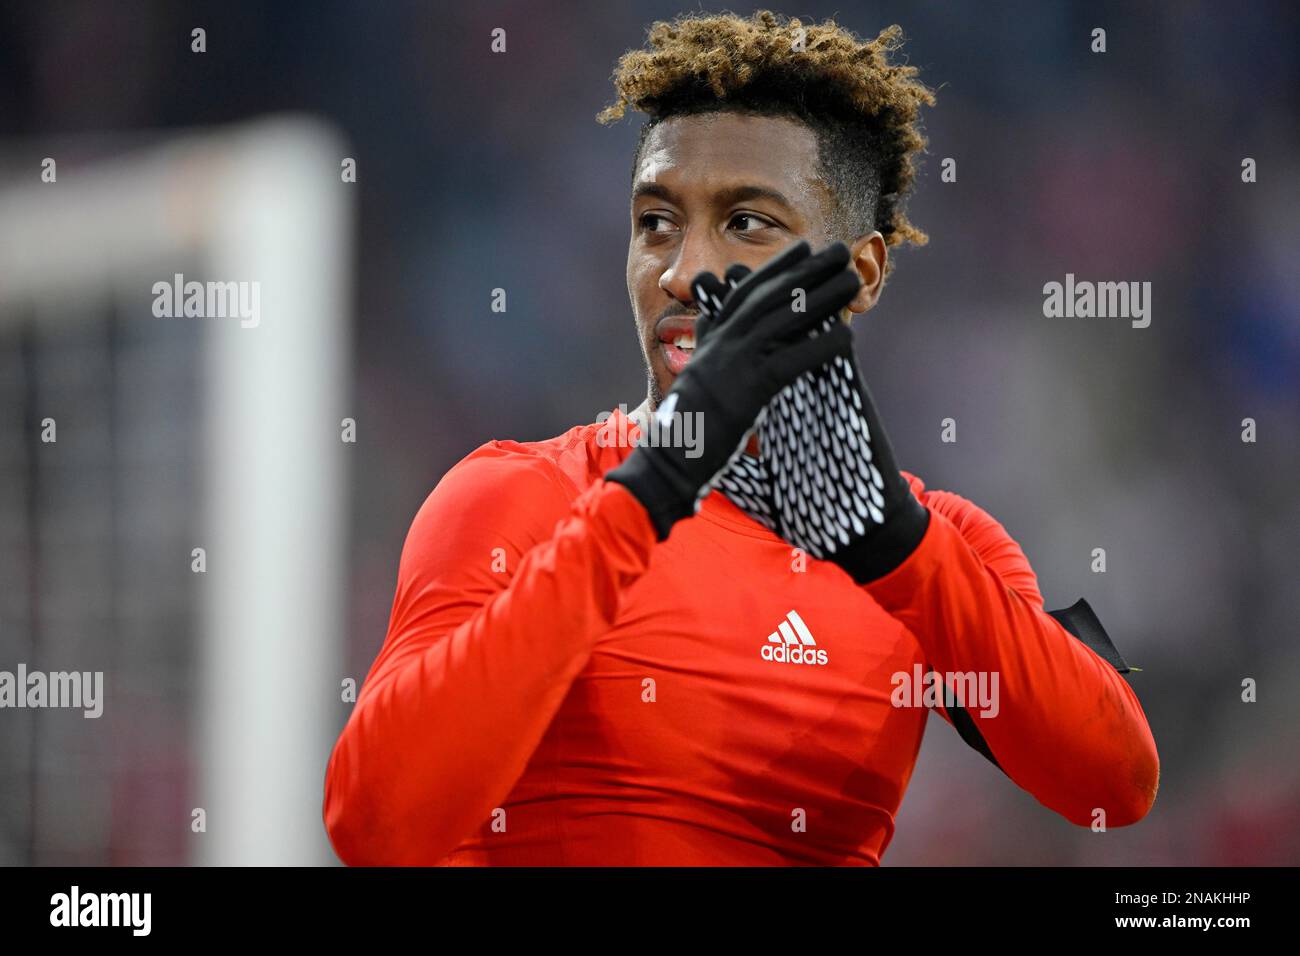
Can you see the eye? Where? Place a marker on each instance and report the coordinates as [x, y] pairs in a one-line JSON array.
[[758, 222], [649, 220]]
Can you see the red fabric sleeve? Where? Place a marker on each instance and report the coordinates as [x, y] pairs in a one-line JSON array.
[[477, 660], [1069, 728]]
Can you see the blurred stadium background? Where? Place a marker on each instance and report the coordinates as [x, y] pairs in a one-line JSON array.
[[479, 170]]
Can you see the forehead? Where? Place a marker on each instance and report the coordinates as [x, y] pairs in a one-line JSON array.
[[714, 150]]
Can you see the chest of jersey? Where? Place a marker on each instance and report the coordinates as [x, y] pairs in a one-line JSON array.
[[730, 604], [742, 677]]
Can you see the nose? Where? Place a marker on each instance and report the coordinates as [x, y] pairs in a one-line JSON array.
[[694, 255]]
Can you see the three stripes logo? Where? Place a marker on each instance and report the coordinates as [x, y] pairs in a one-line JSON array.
[[792, 643]]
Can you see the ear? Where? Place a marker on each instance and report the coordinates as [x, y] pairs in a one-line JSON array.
[[868, 255]]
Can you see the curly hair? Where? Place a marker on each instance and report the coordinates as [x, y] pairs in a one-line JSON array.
[[863, 109]]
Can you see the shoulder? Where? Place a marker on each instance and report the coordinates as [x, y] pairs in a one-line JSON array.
[[574, 459], [505, 492], [984, 533]]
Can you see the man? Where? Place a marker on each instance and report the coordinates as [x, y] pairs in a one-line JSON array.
[[591, 660]]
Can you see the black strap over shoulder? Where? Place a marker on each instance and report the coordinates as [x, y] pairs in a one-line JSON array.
[[1081, 621]]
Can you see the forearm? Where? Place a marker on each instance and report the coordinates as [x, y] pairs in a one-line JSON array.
[[447, 722], [1068, 728]]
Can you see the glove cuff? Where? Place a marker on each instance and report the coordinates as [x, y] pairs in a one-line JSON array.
[[666, 498], [876, 555]]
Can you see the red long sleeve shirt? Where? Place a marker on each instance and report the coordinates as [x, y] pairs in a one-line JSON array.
[[557, 688]]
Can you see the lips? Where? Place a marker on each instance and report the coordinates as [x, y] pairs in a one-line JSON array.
[[677, 340]]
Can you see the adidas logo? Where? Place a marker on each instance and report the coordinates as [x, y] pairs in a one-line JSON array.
[[792, 643]]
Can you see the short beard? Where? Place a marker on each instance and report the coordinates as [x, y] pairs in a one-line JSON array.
[[654, 395]]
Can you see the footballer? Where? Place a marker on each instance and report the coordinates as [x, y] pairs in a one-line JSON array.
[[710, 631]]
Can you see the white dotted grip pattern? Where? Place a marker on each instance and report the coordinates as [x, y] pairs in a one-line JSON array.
[[815, 483]]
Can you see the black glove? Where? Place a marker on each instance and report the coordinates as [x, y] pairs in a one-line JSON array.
[[748, 346], [826, 479]]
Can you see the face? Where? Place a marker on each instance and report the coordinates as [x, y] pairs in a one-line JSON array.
[[713, 190]]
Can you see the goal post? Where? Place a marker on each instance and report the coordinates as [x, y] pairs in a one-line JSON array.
[[260, 205]]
